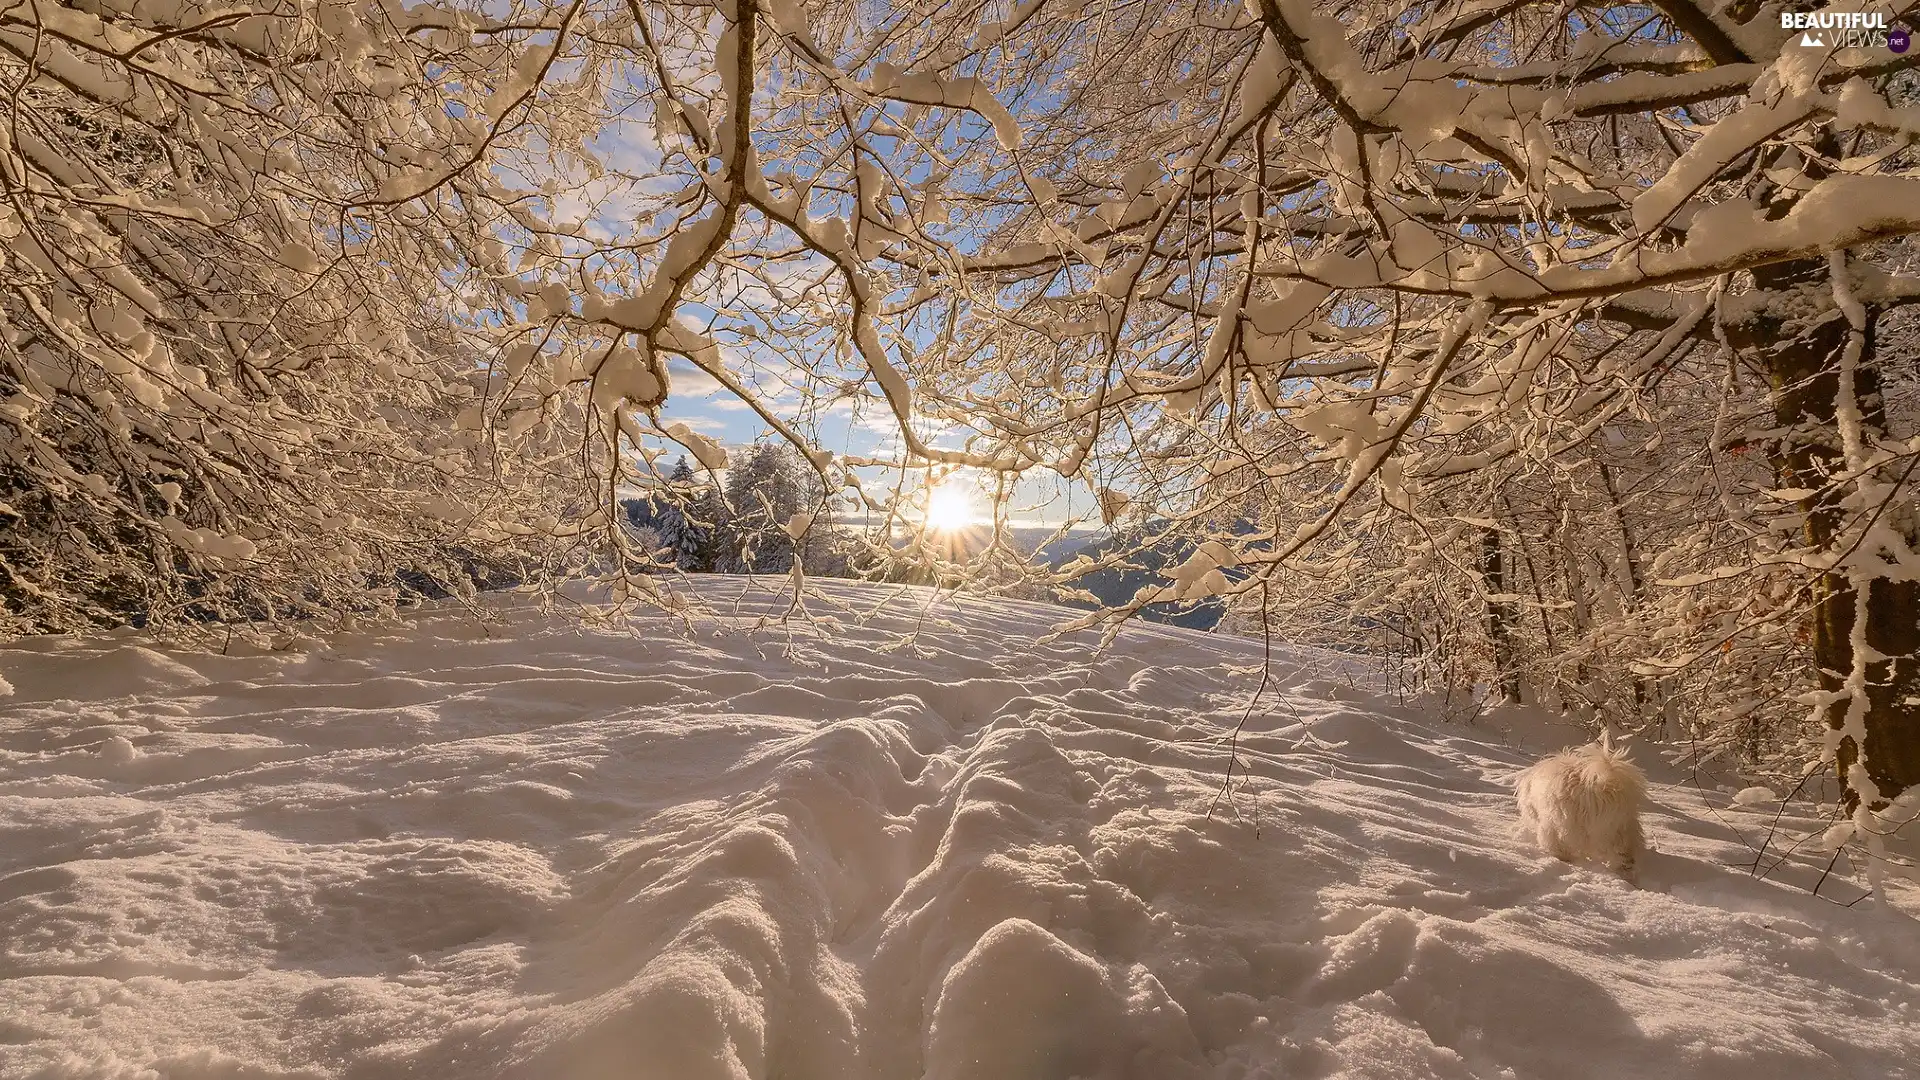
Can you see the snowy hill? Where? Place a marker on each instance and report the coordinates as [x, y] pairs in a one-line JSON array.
[[912, 845]]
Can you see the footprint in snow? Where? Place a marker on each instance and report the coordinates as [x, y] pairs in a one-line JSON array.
[[1372, 957]]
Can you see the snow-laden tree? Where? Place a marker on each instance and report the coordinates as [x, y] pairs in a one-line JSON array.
[[1421, 269], [246, 253], [682, 534], [1569, 341], [777, 512]]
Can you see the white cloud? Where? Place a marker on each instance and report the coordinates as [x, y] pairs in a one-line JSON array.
[[706, 425]]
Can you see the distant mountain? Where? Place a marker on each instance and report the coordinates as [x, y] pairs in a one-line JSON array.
[[1040, 542], [1118, 585]]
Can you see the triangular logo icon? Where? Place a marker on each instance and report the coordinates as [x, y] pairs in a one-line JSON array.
[[1812, 40]]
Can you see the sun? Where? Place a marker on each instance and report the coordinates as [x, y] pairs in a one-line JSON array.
[[949, 507]]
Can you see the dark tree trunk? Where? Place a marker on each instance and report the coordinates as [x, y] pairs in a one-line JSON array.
[[1798, 342], [1627, 571], [1500, 617]]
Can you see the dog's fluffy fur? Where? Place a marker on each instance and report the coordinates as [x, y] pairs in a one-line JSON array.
[[1583, 804]]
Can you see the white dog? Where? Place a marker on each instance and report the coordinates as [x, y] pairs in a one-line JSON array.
[[1584, 804]]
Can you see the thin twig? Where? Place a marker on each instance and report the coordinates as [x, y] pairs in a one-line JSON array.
[[1775, 824], [1266, 675], [1828, 870]]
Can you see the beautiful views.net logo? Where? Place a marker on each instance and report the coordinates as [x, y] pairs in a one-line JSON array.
[[1845, 30]]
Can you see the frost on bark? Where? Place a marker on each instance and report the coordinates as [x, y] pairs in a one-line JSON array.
[[1798, 337]]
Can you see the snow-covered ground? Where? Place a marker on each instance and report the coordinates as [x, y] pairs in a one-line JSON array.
[[912, 845]]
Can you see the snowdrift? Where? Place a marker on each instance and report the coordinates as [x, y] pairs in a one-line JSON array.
[[916, 844]]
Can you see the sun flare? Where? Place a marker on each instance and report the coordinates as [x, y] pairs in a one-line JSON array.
[[949, 508]]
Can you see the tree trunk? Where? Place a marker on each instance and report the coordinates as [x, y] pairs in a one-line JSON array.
[[1499, 616], [1632, 583], [1798, 342]]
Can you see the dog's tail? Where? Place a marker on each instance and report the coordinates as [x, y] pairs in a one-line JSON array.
[[1604, 747], [1615, 767]]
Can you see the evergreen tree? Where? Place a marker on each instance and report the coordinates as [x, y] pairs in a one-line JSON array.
[[680, 531], [765, 491], [712, 527]]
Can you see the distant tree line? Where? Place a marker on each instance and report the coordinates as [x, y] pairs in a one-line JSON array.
[[746, 525]]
